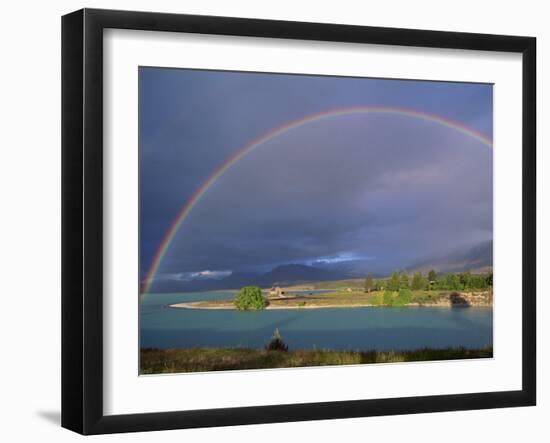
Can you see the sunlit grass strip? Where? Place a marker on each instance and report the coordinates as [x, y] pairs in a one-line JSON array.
[[159, 361]]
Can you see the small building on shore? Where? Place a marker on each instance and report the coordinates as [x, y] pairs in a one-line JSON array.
[[276, 291]]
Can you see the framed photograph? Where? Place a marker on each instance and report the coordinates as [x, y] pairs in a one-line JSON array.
[[269, 221]]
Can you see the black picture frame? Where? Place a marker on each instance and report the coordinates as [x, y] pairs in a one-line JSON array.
[[82, 221]]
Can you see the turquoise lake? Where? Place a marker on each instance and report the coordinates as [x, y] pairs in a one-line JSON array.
[[369, 328]]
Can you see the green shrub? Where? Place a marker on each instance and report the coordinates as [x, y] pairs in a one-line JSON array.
[[277, 343], [404, 297], [250, 297], [388, 298], [377, 299]]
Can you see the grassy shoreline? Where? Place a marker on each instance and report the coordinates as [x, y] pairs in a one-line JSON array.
[[165, 361], [357, 299]]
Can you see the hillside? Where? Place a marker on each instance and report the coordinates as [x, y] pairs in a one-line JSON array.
[[283, 275]]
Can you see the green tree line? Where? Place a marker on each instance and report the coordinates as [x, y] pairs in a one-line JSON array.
[[463, 281]]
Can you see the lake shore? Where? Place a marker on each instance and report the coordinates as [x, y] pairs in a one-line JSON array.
[[159, 361], [332, 300], [231, 307], [198, 306]]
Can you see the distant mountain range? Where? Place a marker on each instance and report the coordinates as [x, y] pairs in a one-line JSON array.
[[476, 258], [281, 276]]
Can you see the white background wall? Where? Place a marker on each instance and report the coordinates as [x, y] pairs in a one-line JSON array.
[[30, 218]]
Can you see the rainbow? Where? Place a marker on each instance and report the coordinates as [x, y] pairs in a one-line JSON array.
[[229, 162]]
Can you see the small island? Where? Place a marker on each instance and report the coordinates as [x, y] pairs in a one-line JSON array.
[[451, 290]]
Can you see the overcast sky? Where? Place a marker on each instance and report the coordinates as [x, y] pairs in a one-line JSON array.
[[364, 188]]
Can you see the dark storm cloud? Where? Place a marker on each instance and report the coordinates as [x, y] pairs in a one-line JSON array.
[[372, 187]]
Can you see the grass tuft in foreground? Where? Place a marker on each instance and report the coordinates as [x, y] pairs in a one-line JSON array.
[[158, 361]]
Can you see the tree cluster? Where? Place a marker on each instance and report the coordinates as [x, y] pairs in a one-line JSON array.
[[462, 281]]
